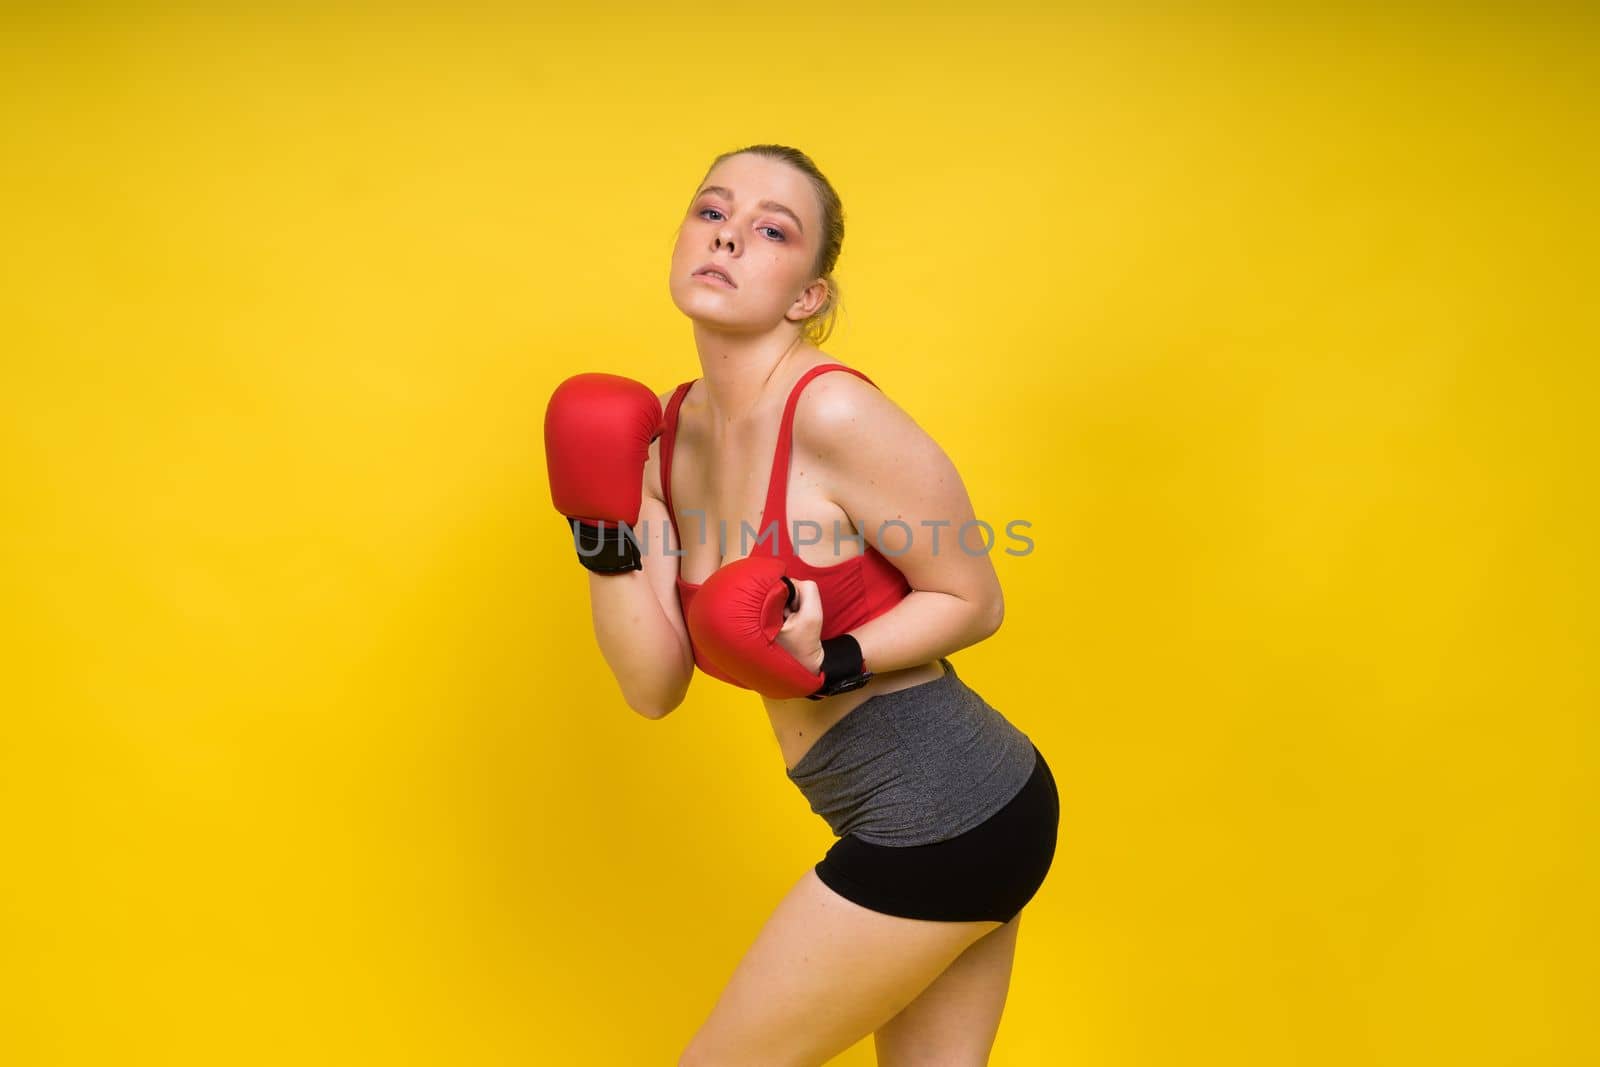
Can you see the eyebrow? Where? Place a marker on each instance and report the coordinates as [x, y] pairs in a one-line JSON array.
[[770, 205]]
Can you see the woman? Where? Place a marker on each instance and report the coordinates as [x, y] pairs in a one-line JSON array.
[[946, 813]]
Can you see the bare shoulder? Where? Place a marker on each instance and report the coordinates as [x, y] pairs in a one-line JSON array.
[[886, 472], [840, 409]]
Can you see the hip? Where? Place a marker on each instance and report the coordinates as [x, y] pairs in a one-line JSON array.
[[916, 765]]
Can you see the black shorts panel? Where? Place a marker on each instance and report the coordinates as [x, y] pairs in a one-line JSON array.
[[986, 873]]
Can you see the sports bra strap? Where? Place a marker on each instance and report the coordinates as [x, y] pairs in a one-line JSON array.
[[778, 483], [669, 435]]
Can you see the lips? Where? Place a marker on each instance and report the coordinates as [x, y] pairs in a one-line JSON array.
[[715, 276]]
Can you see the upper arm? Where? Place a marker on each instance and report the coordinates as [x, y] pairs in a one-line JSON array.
[[884, 470]]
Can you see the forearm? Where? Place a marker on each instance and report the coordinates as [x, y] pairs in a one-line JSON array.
[[923, 627], [639, 644]]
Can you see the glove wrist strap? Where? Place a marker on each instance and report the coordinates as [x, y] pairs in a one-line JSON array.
[[605, 547], [843, 667]]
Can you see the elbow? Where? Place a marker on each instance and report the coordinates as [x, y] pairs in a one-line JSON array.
[[652, 713], [994, 616], [658, 705], [653, 709]]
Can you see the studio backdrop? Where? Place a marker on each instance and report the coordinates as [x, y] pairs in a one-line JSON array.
[[1272, 328]]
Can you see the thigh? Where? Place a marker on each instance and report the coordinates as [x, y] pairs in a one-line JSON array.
[[953, 1022], [822, 974]]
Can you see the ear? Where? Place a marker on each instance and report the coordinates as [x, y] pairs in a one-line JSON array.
[[810, 299]]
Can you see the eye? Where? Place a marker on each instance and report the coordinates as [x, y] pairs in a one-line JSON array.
[[702, 213]]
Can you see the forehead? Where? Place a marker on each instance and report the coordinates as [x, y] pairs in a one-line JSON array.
[[752, 178]]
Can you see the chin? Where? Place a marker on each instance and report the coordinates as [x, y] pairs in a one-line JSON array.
[[705, 311]]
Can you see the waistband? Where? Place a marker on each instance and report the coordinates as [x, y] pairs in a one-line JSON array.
[[840, 733], [915, 765]]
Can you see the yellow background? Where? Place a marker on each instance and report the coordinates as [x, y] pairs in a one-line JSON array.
[[1278, 327]]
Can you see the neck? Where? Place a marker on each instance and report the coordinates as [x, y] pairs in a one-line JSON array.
[[740, 369]]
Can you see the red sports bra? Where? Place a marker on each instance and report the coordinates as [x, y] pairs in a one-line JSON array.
[[853, 591]]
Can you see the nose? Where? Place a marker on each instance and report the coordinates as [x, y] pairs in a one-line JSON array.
[[723, 241]]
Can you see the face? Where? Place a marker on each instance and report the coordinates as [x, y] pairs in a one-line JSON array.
[[758, 221]]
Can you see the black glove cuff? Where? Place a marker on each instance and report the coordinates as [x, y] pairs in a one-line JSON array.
[[843, 668], [605, 548]]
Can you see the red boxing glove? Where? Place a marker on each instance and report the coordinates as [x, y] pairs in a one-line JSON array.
[[734, 619], [597, 434]]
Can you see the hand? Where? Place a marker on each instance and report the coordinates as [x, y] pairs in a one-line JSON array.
[[801, 635], [736, 620]]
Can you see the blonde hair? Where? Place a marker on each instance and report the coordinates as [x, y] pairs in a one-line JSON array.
[[816, 328]]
